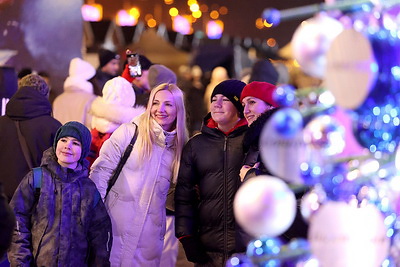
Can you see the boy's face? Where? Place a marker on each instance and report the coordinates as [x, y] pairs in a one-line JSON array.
[[68, 152]]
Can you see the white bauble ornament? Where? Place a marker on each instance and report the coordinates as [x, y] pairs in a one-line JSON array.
[[341, 235], [264, 206], [311, 41]]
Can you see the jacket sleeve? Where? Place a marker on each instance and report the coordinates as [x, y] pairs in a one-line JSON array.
[[186, 197], [100, 236], [110, 154], [7, 223], [20, 252]]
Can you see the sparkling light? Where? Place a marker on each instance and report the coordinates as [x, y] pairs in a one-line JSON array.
[[215, 29], [181, 24], [173, 12], [134, 12], [92, 12], [125, 19]]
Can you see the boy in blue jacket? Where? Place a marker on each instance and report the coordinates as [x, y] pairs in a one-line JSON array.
[[62, 222]]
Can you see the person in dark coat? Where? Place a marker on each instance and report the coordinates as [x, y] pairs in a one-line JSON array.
[[259, 106], [66, 224], [208, 180], [30, 107], [109, 67], [7, 223]]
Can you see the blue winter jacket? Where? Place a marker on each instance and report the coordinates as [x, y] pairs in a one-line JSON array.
[[68, 226]]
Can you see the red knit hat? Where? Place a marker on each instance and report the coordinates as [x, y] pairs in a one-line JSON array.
[[261, 90]]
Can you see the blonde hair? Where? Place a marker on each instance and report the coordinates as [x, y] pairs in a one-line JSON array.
[[146, 135]]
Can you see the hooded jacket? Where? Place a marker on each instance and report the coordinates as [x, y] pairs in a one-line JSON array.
[[74, 103], [207, 182], [33, 111], [136, 202], [67, 226]]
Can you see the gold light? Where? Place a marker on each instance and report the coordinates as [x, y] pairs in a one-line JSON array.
[[173, 12], [214, 14]]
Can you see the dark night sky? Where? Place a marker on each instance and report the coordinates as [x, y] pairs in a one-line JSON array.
[[239, 22]]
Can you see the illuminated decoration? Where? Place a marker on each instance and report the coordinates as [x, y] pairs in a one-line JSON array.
[[134, 12], [125, 19], [267, 25], [204, 8], [215, 28], [197, 14], [151, 23], [168, 2], [214, 14], [194, 7], [271, 42], [173, 12], [92, 12], [223, 10], [259, 23], [181, 24]]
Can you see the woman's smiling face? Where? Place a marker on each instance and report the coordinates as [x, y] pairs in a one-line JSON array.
[[163, 110], [253, 108]]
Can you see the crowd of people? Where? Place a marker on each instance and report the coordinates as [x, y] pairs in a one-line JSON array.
[[131, 171]]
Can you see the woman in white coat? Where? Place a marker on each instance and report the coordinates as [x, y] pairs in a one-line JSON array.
[[137, 201]]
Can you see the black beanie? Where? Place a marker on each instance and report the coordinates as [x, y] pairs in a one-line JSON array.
[[106, 56], [232, 90], [77, 130]]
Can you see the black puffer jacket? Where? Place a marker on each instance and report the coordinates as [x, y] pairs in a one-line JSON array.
[[207, 182], [251, 145]]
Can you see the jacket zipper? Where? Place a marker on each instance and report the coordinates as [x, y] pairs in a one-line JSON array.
[[225, 200]]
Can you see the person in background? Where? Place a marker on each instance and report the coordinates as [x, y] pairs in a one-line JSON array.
[[208, 180], [31, 109], [65, 223], [259, 106], [194, 96], [140, 84], [7, 224], [75, 102], [109, 67], [137, 201], [109, 111], [218, 75]]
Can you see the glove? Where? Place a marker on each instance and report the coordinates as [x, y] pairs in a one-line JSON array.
[[194, 250], [125, 74]]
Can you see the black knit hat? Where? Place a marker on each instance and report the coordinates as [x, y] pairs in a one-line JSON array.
[[232, 90], [77, 130], [106, 56]]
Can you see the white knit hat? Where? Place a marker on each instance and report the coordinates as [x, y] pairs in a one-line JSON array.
[[80, 68], [119, 91]]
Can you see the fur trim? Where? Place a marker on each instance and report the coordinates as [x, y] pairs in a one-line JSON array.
[[107, 117]]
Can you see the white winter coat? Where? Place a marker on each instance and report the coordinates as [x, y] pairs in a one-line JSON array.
[[136, 203]]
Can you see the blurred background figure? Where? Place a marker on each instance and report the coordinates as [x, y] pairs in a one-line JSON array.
[[109, 67], [218, 75], [75, 102], [7, 224], [31, 110], [111, 110], [140, 84], [196, 108]]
